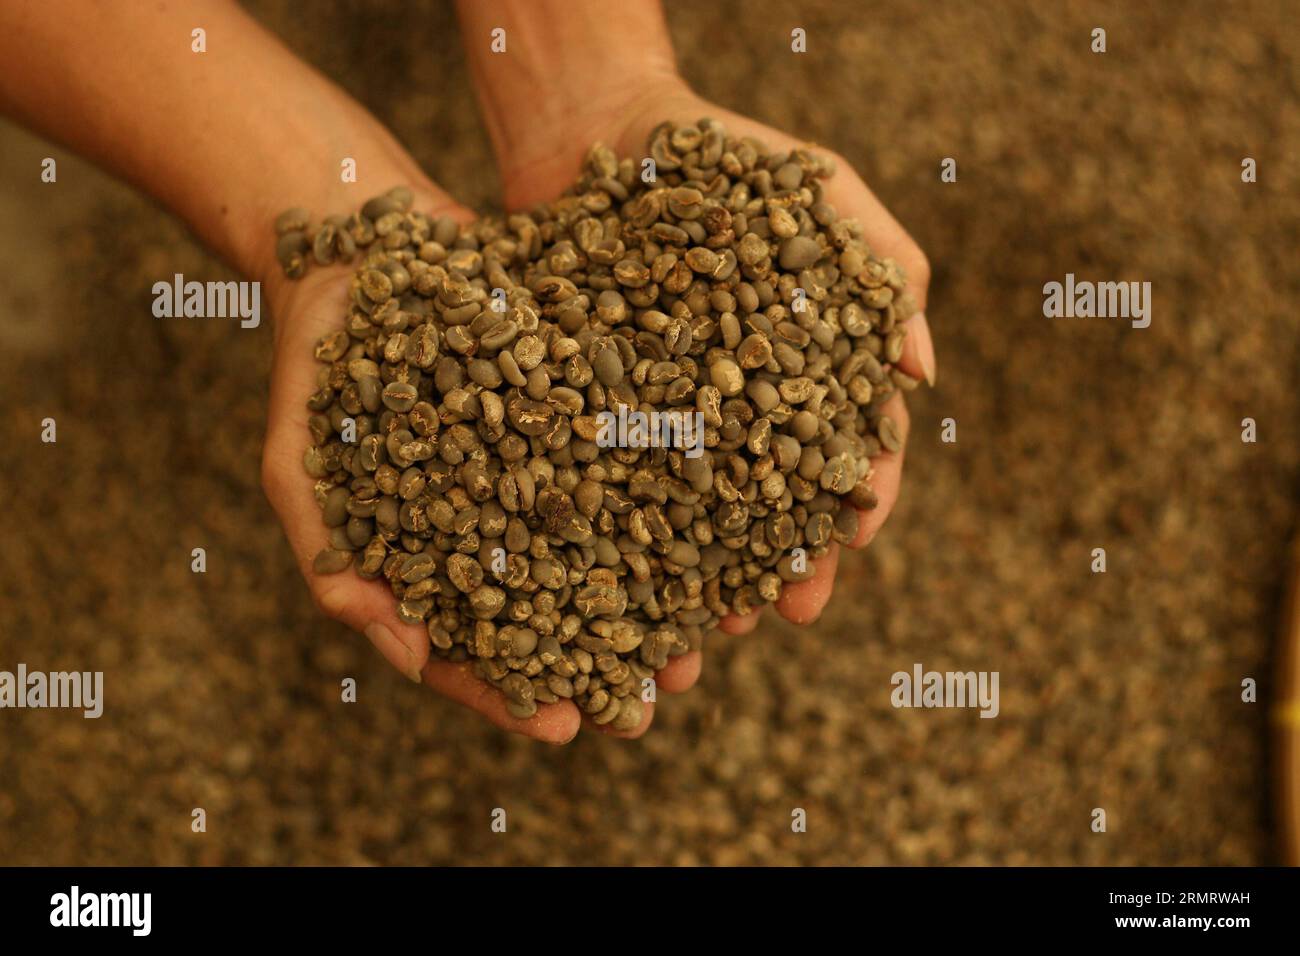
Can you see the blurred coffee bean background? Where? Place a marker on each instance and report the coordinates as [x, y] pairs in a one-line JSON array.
[[1119, 691]]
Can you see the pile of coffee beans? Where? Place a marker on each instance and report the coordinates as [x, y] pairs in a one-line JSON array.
[[462, 441]]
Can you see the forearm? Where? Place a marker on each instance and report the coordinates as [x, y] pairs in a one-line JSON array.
[[224, 138], [564, 60]]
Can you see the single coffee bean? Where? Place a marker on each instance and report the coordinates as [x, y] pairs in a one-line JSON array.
[[380, 206], [291, 251], [292, 220], [789, 176], [846, 525], [400, 396], [889, 436], [630, 714], [608, 367], [335, 511], [522, 710], [799, 252], [331, 561], [725, 375]]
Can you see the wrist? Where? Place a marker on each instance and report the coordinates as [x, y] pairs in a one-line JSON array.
[[551, 75], [309, 176], [259, 238], [540, 151]]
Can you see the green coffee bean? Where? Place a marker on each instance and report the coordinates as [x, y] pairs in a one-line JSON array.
[[458, 433]]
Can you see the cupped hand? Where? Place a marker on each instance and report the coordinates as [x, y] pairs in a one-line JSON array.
[[548, 160], [305, 310], [312, 307]]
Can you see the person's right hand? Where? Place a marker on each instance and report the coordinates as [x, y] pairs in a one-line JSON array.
[[304, 311]]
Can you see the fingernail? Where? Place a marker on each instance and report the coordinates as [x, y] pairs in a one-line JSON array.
[[924, 347], [394, 651]]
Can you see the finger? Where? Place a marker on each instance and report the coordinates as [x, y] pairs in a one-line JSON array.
[[884, 234], [647, 717], [369, 607], [918, 349], [845, 190], [556, 723], [802, 602], [851, 197], [366, 606], [315, 307], [887, 475], [740, 624], [293, 377], [681, 673]]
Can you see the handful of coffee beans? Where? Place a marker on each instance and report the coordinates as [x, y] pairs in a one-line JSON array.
[[572, 440]]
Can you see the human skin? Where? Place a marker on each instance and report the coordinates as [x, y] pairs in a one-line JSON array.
[[576, 72], [121, 85]]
